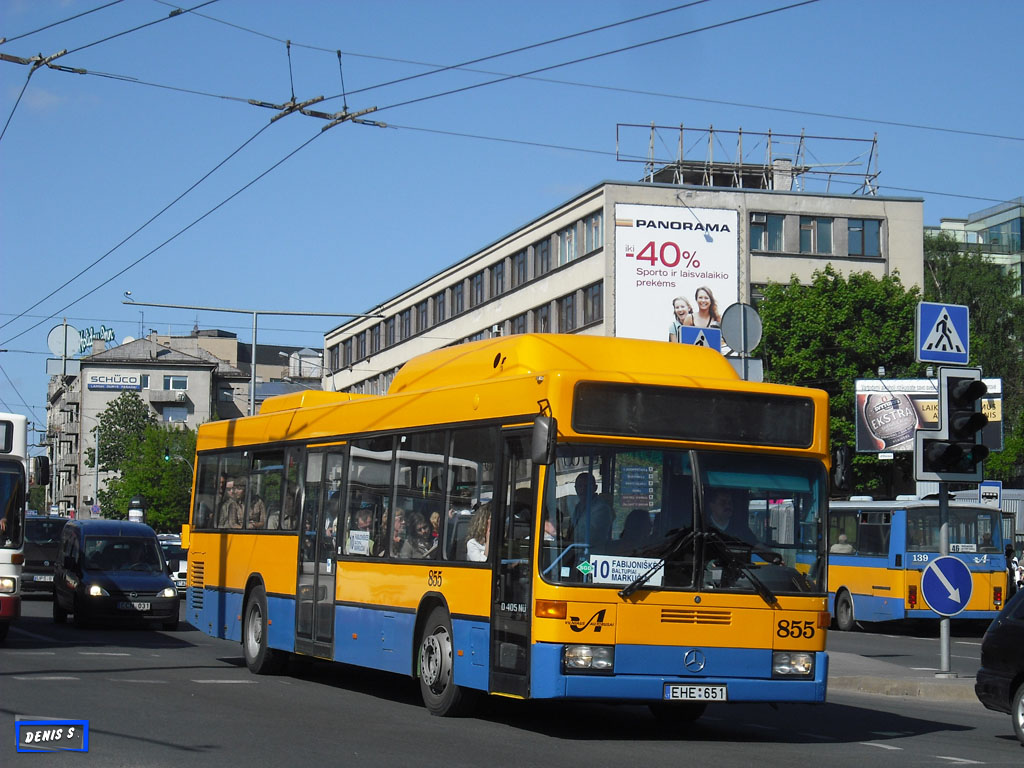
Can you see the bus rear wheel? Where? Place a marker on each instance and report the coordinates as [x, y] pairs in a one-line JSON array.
[[844, 612], [435, 667], [260, 658]]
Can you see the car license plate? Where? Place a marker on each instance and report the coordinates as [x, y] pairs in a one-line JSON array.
[[695, 692], [44, 577], [132, 605]]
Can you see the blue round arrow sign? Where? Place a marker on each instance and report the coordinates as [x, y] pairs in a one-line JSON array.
[[946, 585]]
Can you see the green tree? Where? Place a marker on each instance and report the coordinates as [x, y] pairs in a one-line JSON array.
[[37, 499], [121, 426], [835, 330], [997, 334], [159, 468]]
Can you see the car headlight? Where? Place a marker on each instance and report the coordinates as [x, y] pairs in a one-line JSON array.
[[168, 592], [97, 591], [792, 664], [588, 658], [8, 585]]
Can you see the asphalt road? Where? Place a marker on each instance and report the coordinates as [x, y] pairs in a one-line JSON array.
[[177, 699]]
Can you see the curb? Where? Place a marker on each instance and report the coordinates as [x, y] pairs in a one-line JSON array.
[[959, 689]]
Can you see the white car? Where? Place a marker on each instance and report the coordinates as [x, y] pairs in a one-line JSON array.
[[177, 559]]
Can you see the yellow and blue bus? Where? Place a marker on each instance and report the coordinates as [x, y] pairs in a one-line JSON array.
[[534, 516], [879, 551]]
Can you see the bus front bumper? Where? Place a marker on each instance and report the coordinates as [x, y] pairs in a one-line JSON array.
[[748, 680]]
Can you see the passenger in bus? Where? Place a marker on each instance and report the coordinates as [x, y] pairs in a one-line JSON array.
[[842, 546], [419, 541], [257, 511], [398, 533], [636, 530], [590, 505], [479, 541], [232, 508], [360, 538]]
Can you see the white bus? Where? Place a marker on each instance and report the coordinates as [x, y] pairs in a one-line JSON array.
[[14, 476]]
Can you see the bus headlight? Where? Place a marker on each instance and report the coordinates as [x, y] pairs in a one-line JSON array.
[[588, 658], [792, 664], [97, 591], [168, 592], [8, 585]]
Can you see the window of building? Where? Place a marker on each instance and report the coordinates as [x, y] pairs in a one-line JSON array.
[[144, 380], [375, 340], [476, 290], [541, 258], [334, 357], [766, 231], [346, 358], [593, 298], [422, 316], [865, 237], [458, 300], [405, 324], [175, 382], [542, 319], [519, 275], [518, 324], [567, 245], [361, 346], [439, 308], [498, 279], [815, 234], [226, 395], [389, 332], [593, 232], [567, 313], [175, 413]]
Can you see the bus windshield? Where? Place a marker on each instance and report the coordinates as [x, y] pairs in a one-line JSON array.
[[971, 529], [701, 520], [12, 502]]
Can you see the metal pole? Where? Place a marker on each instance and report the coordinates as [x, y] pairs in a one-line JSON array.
[[252, 366], [96, 477], [943, 551]]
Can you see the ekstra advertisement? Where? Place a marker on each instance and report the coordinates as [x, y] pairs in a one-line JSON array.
[[674, 267]]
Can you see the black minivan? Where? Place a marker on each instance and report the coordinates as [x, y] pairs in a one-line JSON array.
[[42, 538], [112, 570]]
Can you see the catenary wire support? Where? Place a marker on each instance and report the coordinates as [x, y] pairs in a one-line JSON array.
[[291, 77], [341, 72], [341, 117]]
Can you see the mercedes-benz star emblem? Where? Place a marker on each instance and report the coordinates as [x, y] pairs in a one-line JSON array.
[[694, 660]]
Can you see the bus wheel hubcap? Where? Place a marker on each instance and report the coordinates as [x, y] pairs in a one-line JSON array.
[[434, 659]]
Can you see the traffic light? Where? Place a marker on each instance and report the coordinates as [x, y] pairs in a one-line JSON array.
[[954, 452], [167, 454]]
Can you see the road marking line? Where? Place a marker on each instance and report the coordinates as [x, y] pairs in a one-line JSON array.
[[959, 760], [31, 653], [925, 669], [881, 746], [134, 680], [44, 677], [101, 653], [226, 682]]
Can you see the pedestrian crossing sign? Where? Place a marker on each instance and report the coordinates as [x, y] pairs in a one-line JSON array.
[[942, 333], [701, 337]]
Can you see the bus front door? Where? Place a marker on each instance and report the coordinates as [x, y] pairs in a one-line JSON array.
[[315, 582], [510, 608]]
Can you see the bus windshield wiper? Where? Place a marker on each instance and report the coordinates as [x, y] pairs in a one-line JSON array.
[[683, 537], [719, 541]]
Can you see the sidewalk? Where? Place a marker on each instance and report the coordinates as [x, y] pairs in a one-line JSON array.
[[857, 674]]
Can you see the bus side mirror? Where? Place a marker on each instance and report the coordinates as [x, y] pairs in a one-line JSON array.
[[841, 458], [545, 431], [39, 470]]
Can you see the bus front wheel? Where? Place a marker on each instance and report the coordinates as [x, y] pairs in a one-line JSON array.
[[260, 658], [435, 667], [844, 612]]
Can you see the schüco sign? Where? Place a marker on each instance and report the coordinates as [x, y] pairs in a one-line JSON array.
[[114, 381]]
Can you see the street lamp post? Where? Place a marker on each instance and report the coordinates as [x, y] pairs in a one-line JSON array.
[[255, 321]]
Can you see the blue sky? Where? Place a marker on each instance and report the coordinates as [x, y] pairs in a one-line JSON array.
[[351, 216]]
